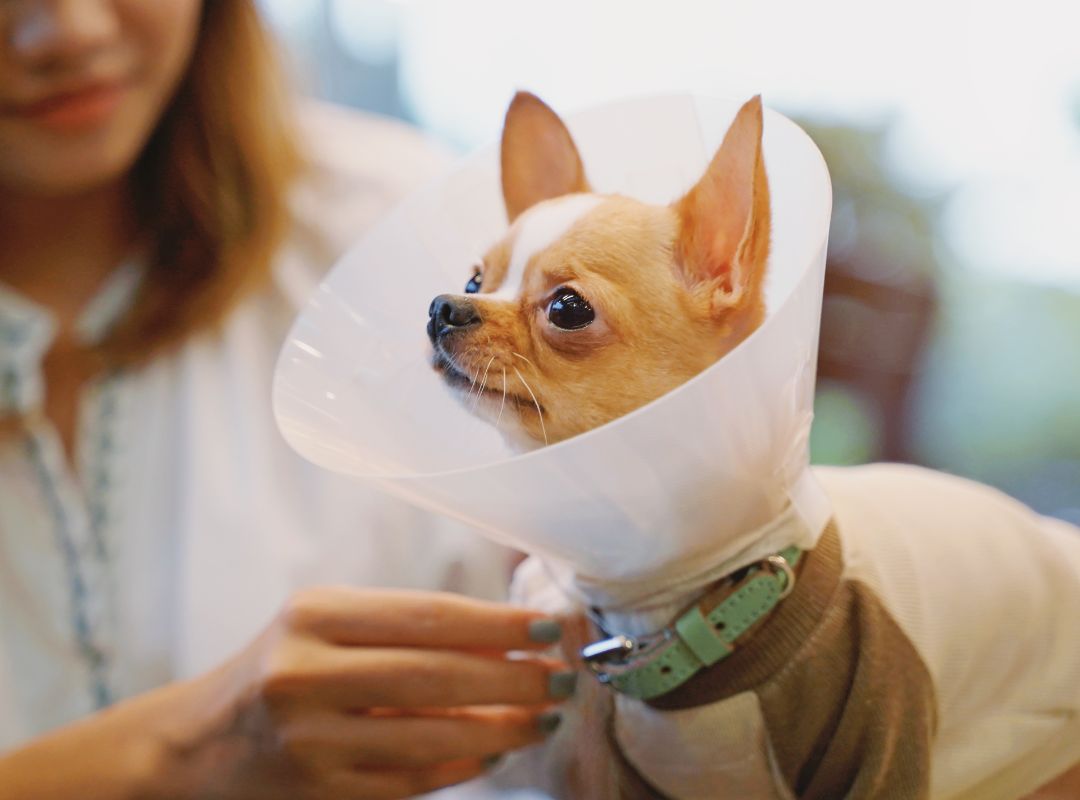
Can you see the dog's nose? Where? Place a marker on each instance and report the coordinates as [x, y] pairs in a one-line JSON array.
[[449, 314]]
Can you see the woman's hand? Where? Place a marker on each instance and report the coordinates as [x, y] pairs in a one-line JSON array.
[[348, 694]]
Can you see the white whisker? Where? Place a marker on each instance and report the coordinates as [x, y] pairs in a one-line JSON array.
[[452, 362], [483, 383], [536, 402], [519, 355], [502, 405], [475, 376]]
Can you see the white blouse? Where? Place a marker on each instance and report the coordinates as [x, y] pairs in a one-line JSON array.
[[185, 520]]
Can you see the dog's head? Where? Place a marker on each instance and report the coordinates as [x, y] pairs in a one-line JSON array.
[[592, 305]]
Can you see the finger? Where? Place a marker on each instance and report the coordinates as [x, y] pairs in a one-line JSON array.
[[414, 742], [374, 677], [385, 784], [349, 616]]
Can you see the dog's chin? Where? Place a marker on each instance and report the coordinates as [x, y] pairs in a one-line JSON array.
[[489, 403], [465, 386], [451, 375]]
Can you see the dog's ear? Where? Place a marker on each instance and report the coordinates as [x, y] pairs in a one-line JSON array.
[[539, 159], [724, 220]]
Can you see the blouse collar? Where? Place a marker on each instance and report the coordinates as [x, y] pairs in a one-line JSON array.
[[28, 329]]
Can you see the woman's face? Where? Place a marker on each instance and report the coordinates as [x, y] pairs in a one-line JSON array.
[[82, 84]]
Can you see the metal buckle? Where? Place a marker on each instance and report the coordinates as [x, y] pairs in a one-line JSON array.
[[606, 649], [779, 566], [598, 653]]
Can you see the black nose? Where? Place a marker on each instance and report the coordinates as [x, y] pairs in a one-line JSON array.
[[449, 314]]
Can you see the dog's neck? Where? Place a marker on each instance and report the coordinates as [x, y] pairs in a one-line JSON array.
[[647, 604]]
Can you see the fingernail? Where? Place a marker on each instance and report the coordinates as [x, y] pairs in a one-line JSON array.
[[561, 685], [545, 631], [548, 722], [493, 761]]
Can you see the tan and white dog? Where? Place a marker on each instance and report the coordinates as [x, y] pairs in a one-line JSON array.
[[931, 645]]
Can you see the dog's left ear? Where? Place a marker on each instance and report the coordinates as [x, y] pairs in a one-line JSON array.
[[725, 219], [539, 158]]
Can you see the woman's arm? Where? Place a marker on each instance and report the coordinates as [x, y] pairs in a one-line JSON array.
[[348, 694], [111, 756]]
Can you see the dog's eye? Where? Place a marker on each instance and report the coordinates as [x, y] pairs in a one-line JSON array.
[[569, 310], [474, 284]]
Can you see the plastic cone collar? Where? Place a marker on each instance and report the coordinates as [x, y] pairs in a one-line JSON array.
[[675, 485]]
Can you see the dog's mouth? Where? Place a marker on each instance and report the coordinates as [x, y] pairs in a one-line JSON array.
[[451, 373], [482, 385]]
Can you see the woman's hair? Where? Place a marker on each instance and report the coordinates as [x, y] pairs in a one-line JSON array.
[[211, 185]]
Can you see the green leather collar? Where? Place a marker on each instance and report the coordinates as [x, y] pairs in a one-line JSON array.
[[700, 637]]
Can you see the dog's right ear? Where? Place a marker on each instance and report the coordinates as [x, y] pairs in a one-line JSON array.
[[539, 158], [725, 220]]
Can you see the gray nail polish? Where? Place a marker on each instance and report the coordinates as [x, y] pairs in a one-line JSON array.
[[493, 761], [545, 631], [561, 685], [548, 722]]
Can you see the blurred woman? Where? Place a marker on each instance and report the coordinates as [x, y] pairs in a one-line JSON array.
[[162, 214]]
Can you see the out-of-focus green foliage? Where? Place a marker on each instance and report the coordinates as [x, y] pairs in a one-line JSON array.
[[996, 394], [1001, 393]]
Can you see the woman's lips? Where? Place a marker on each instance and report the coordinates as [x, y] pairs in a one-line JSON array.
[[74, 111]]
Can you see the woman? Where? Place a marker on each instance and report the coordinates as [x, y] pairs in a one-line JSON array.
[[158, 226]]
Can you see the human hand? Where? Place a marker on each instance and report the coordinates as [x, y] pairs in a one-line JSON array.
[[368, 694]]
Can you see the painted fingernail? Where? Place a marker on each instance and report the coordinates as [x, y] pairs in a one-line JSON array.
[[493, 761], [548, 722], [561, 685], [545, 631]]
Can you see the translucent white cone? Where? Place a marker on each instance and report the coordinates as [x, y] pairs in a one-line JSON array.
[[662, 490]]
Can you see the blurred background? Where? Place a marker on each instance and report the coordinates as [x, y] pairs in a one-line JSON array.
[[951, 332]]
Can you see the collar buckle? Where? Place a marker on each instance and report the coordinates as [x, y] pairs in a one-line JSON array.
[[615, 648], [596, 655], [779, 565]]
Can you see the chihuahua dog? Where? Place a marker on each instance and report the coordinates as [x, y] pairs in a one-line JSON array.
[[899, 666]]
